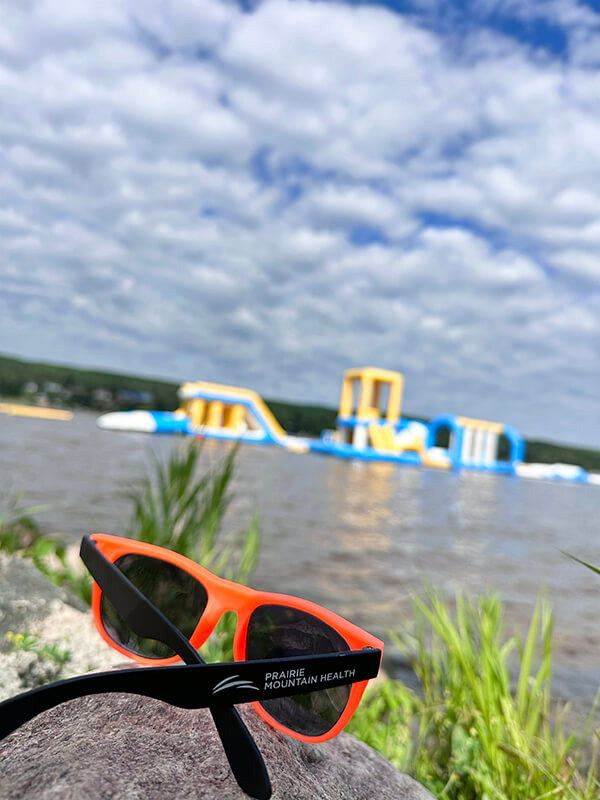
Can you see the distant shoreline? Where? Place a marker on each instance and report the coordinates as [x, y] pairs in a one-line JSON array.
[[95, 390]]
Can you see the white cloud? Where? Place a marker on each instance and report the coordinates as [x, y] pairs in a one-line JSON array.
[[182, 186], [337, 206], [579, 263], [190, 26]]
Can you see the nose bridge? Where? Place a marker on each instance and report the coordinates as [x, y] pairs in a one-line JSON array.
[[223, 596], [228, 595]]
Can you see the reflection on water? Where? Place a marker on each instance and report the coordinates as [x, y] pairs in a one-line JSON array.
[[363, 501], [356, 537]]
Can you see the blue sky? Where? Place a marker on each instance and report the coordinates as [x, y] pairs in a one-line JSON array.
[[268, 193]]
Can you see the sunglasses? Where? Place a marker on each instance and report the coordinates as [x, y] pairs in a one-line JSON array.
[[303, 667]]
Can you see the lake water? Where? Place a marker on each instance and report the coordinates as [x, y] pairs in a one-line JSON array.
[[355, 537]]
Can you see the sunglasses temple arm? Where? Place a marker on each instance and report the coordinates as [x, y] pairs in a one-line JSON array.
[[146, 620], [139, 613], [197, 686]]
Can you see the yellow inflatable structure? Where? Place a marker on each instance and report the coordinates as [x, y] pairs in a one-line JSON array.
[[369, 420], [213, 411], [39, 412], [227, 408]]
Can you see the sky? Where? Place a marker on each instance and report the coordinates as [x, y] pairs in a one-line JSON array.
[[268, 193]]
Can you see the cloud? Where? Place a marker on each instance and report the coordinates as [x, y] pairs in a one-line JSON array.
[[267, 197]]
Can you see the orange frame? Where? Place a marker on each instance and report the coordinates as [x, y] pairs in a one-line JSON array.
[[224, 596]]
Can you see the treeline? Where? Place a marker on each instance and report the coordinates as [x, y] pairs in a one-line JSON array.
[[303, 420], [77, 388], [94, 390], [548, 453], [109, 391]]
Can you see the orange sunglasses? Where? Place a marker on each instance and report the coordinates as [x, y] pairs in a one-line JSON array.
[[269, 626]]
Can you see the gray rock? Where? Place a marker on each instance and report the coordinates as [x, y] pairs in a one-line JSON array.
[[26, 596], [125, 746], [31, 603]]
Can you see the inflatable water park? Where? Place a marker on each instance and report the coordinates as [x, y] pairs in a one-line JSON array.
[[369, 427], [211, 411]]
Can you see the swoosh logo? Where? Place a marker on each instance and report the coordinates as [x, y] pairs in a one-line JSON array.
[[233, 683]]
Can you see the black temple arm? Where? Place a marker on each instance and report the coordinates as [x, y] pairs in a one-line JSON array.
[[201, 685], [139, 613]]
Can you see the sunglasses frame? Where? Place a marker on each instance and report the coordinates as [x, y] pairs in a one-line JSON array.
[[225, 596]]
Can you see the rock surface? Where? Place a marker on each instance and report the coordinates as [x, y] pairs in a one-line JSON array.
[[124, 746], [31, 603], [26, 596]]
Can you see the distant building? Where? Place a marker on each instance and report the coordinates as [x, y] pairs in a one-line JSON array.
[[133, 397], [50, 387], [102, 398]]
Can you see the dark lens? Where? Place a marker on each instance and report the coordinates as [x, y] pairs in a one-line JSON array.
[[178, 595], [280, 631]]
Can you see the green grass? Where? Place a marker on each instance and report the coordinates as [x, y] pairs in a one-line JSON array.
[[183, 509], [484, 724], [180, 508], [30, 642], [20, 535]]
